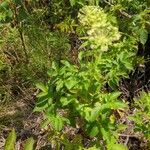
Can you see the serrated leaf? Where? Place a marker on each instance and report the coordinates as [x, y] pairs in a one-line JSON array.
[[59, 85], [58, 124], [70, 84], [29, 145], [39, 109], [66, 63], [113, 83], [115, 95], [42, 87], [143, 35], [54, 65], [10, 141], [94, 131], [64, 101], [41, 104], [118, 105], [95, 113], [41, 94], [128, 65]]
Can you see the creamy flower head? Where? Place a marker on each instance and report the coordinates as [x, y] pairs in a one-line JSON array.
[[101, 33]]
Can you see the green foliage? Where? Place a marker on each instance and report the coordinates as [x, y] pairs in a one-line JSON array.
[[141, 116], [10, 141], [28, 45], [143, 36], [29, 145], [35, 36], [101, 33], [78, 90]]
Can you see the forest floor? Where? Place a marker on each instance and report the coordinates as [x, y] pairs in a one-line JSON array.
[[19, 114]]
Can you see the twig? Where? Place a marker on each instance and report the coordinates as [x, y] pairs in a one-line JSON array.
[[23, 45], [19, 26], [127, 140], [127, 135], [125, 14]]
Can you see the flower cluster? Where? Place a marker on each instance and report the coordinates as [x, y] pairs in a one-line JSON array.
[[101, 33]]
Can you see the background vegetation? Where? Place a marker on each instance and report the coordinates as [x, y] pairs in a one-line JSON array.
[[74, 74]]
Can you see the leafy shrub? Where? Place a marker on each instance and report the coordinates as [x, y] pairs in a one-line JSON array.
[[79, 90], [33, 34]]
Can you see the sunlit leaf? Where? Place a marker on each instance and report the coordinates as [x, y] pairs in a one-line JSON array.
[[29, 145], [10, 141], [119, 147], [42, 87], [94, 131], [143, 35]]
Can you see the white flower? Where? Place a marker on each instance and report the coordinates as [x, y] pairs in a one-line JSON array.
[[101, 33]]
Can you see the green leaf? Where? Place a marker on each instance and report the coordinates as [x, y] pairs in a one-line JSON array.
[[45, 123], [95, 113], [115, 95], [42, 87], [64, 101], [41, 94], [106, 134], [117, 105], [39, 109], [10, 141], [41, 104], [56, 121], [58, 124], [72, 2], [66, 63], [9, 13], [94, 131], [143, 35], [119, 147], [128, 65], [80, 55], [29, 145], [54, 65], [70, 83], [83, 46], [4, 5], [113, 83], [122, 127], [59, 85]]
